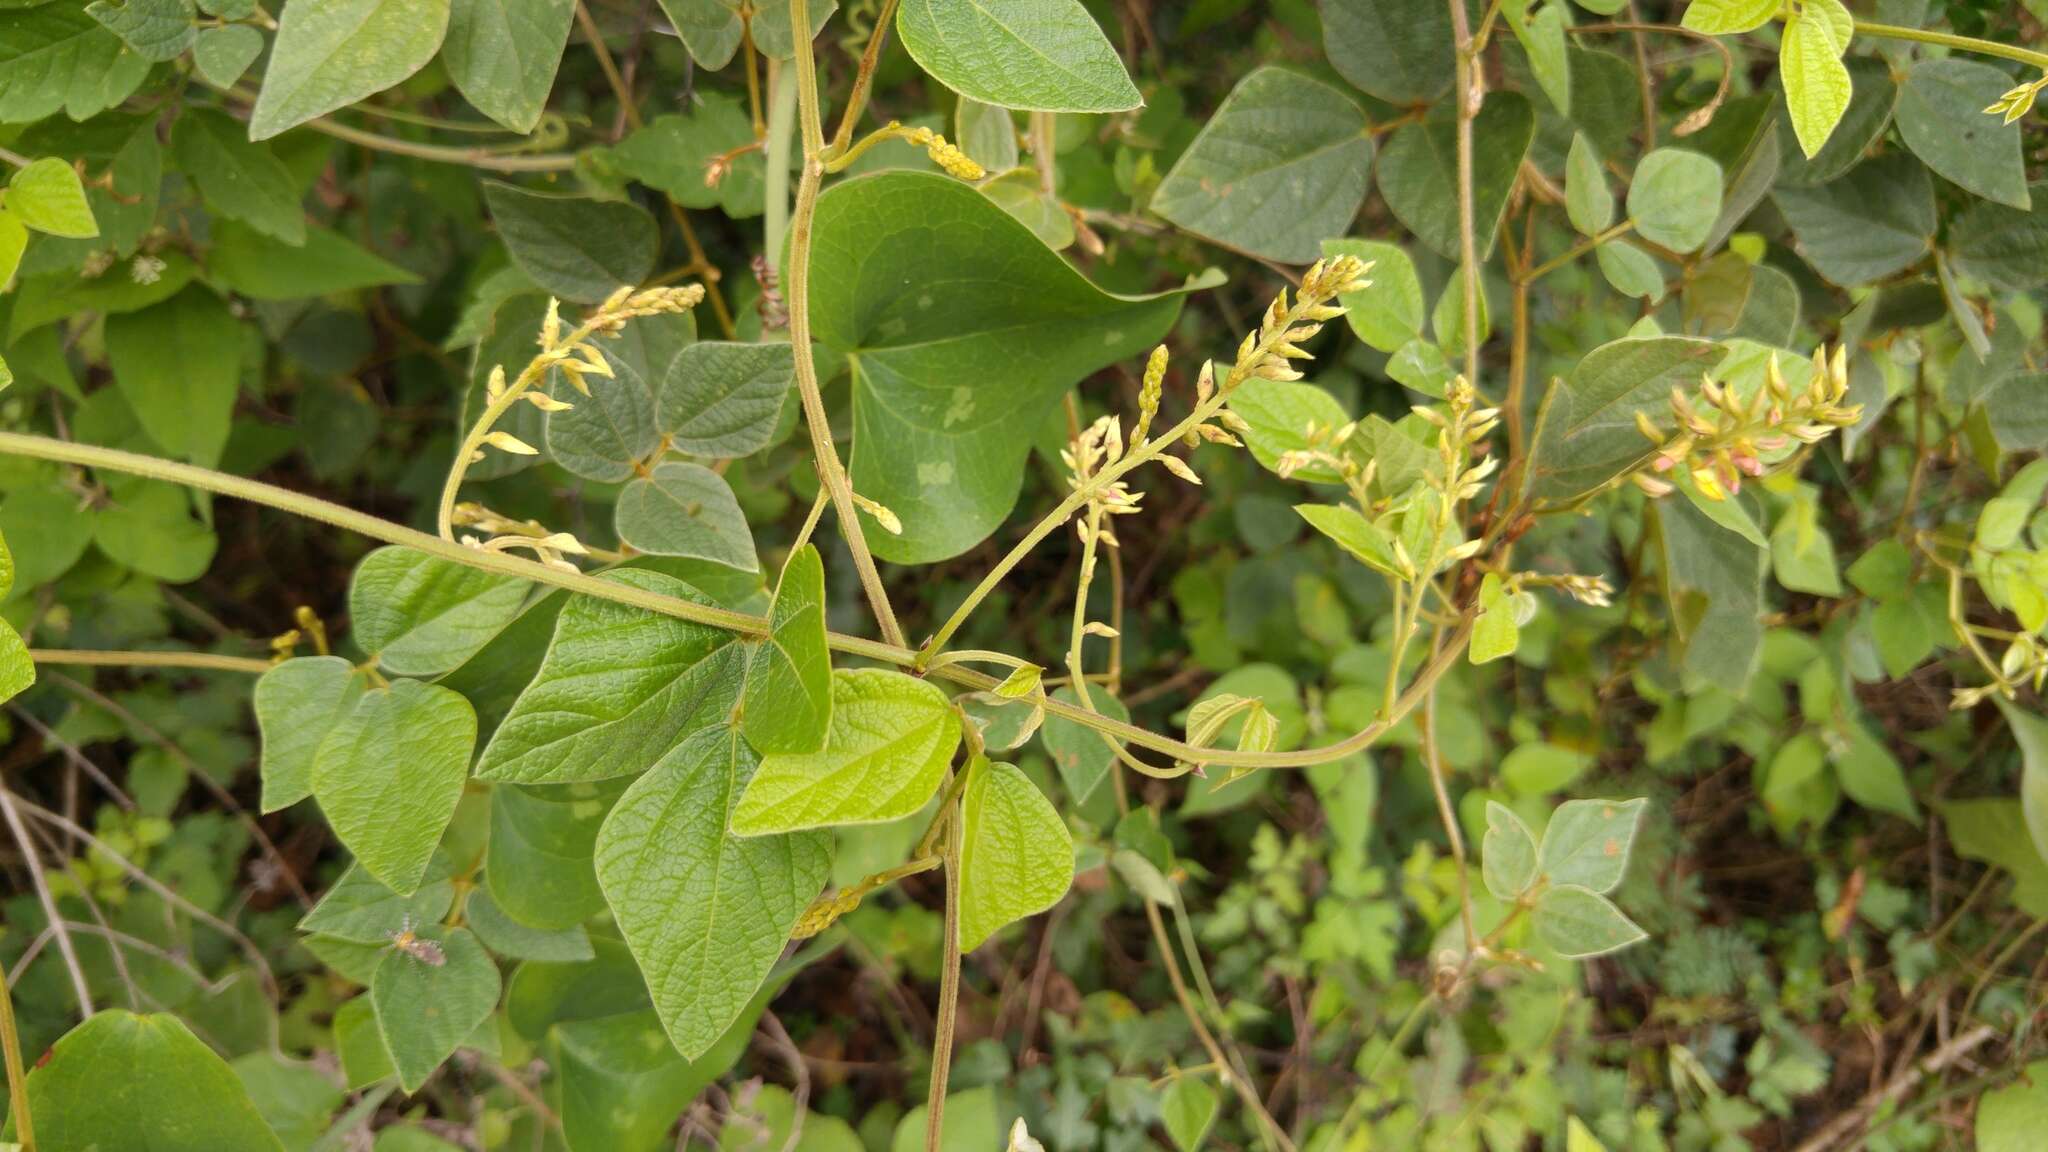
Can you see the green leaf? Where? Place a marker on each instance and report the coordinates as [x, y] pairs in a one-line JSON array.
[[705, 912], [1040, 55], [361, 910], [671, 152], [1995, 832], [1373, 545], [787, 706], [1078, 751], [1536, 769], [120, 1080], [49, 527], [238, 179], [1187, 1109], [178, 364], [223, 54], [389, 774], [1494, 635], [1871, 775], [419, 615], [987, 133], [1587, 842], [890, 741], [1387, 312], [962, 328], [1874, 95], [1817, 84], [1713, 580], [297, 1100], [513, 940], [539, 864], [425, 1011], [1507, 856], [1018, 193], [330, 54], [1586, 434], [1419, 165], [2011, 1118], [2031, 733], [265, 268], [619, 687], [712, 29], [1581, 924], [1802, 553], [364, 1059], [1447, 319], [1587, 200], [1396, 50], [502, 55], [609, 435], [47, 196], [725, 400], [1877, 219], [1941, 116], [150, 528], [971, 1124], [1279, 413], [1016, 858], [297, 703], [1729, 17], [1674, 198], [13, 242], [2002, 245], [17, 670], [56, 57], [1629, 270], [158, 30], [683, 509], [1544, 42], [573, 246], [1281, 165]]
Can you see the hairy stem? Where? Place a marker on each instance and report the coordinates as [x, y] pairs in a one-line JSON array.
[[17, 1077], [797, 295], [949, 985], [1469, 95], [857, 102], [1951, 40], [328, 512], [204, 661]]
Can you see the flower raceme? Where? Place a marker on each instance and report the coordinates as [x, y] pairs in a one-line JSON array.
[[1720, 437]]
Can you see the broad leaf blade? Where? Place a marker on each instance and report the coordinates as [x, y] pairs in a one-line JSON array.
[[787, 706], [890, 739], [1016, 858], [389, 774], [1044, 55]]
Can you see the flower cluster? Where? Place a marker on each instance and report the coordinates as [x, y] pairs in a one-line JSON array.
[[1265, 354], [1723, 438], [946, 155], [503, 534]]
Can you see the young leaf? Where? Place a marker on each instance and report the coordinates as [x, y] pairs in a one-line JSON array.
[[1016, 858], [425, 1011], [1282, 164], [1544, 42], [1355, 534], [1674, 198], [502, 55], [333, 53], [787, 706], [1187, 1109], [297, 703], [120, 1080], [238, 179], [389, 774], [419, 615], [890, 740], [1507, 856], [987, 133], [1043, 55], [47, 196], [1817, 84], [1580, 923], [574, 247], [724, 400], [1587, 842], [619, 687], [1941, 116], [683, 509], [1629, 270], [17, 669], [916, 275], [705, 912], [1730, 17], [1587, 200]]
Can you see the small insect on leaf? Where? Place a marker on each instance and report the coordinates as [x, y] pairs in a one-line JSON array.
[[416, 946]]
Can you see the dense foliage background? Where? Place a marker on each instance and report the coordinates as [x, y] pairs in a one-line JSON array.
[[1802, 620]]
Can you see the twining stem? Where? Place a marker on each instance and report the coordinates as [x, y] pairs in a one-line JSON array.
[[17, 1077], [205, 661], [1951, 40], [857, 102], [328, 512], [1575, 251], [479, 158], [949, 982], [1468, 96], [797, 295]]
